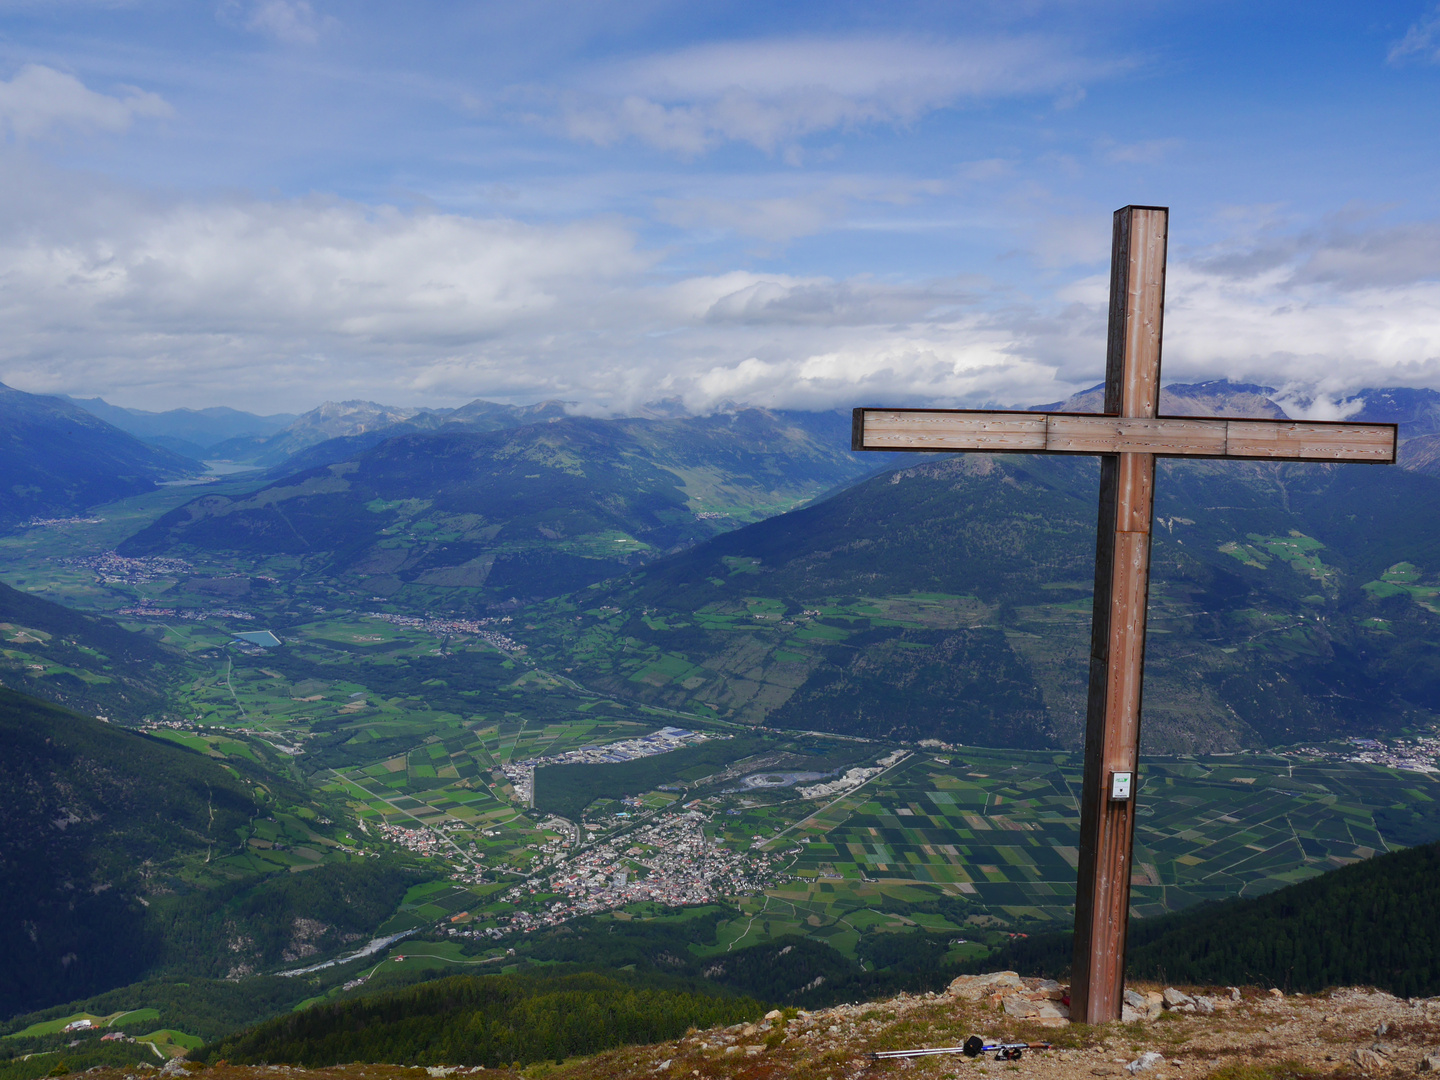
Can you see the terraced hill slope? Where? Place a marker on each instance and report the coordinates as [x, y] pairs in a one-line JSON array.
[[951, 600]]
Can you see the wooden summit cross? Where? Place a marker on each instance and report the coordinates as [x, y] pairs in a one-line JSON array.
[[1128, 436]]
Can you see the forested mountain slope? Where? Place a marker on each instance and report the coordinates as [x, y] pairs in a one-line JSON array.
[[86, 807], [1369, 924], [58, 460], [524, 512], [84, 662], [952, 600], [492, 1021], [125, 855]]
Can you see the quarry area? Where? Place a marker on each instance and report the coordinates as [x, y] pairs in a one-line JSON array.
[[1225, 1033]]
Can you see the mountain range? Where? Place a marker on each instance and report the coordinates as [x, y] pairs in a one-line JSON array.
[[219, 433], [1290, 602], [520, 512], [189, 432], [742, 566], [58, 460], [952, 600]]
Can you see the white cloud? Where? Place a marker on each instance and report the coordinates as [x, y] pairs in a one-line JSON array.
[[40, 99], [776, 219], [745, 299], [1318, 312], [1346, 251], [278, 305], [771, 93], [1422, 40], [294, 22], [198, 298], [793, 210], [1149, 152]]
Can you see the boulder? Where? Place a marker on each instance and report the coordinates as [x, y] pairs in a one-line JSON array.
[[1145, 1062], [1052, 1014], [975, 987], [1174, 998], [1430, 1062], [1040, 1010], [1021, 1007], [1369, 1060], [1141, 1006]]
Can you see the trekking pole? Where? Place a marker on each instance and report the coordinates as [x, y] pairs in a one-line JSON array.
[[974, 1046]]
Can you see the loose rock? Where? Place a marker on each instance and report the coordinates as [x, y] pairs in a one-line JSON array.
[[1145, 1062], [975, 987], [1368, 1060]]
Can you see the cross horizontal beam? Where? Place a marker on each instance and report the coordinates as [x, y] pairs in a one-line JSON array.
[[1089, 433]]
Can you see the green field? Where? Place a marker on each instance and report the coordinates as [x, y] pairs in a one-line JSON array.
[[993, 831], [1001, 828], [403, 735]]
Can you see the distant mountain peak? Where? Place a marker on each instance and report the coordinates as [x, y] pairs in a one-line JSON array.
[[670, 408], [1218, 397], [355, 408], [1417, 411]]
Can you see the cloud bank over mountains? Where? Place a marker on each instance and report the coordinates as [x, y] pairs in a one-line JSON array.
[[239, 299], [274, 202]]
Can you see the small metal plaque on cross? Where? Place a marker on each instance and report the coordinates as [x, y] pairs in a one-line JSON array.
[[1129, 435]]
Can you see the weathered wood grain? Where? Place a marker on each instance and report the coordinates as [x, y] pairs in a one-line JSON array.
[[1004, 432], [1122, 586]]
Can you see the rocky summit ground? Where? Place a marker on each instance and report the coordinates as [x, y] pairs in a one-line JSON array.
[[1186, 1033]]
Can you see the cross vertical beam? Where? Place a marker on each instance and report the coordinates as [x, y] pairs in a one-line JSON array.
[[1117, 644]]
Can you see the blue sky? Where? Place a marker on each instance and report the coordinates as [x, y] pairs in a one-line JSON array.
[[270, 203]]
